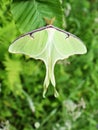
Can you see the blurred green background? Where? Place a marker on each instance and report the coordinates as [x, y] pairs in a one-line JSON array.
[[22, 106]]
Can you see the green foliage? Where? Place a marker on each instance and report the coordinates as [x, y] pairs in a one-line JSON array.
[[21, 104], [33, 13], [13, 69]]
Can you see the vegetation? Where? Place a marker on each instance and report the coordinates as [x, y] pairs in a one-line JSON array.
[[22, 106]]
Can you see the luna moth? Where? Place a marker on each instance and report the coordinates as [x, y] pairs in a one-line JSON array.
[[48, 44]]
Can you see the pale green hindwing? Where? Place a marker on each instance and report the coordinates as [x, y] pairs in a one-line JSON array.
[[49, 44]]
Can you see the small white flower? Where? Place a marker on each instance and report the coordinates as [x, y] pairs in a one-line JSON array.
[[37, 125]]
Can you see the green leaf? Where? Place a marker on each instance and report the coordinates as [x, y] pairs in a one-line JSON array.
[[13, 69], [31, 14]]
